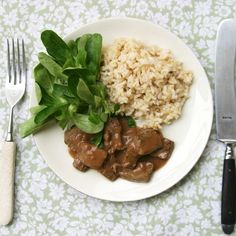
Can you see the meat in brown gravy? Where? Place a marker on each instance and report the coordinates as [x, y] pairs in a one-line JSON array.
[[110, 168], [144, 141], [74, 136], [166, 151], [139, 142], [128, 157], [80, 148], [112, 136], [91, 155], [130, 153], [156, 162], [141, 173], [160, 157], [78, 164]]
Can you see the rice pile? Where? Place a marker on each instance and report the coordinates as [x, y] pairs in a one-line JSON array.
[[147, 81]]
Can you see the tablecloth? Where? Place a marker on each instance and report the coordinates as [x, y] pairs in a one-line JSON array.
[[45, 205]]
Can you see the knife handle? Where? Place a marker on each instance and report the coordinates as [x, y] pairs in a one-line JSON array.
[[228, 202], [7, 173]]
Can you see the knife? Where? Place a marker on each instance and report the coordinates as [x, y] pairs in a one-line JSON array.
[[225, 105]]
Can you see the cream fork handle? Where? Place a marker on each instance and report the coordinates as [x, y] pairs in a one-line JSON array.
[[7, 173]]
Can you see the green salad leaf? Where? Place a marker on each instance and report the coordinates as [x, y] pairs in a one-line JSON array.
[[98, 139], [68, 88], [83, 122], [131, 122], [84, 92], [55, 46]]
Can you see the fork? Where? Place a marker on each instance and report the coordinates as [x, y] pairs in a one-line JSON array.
[[15, 89]]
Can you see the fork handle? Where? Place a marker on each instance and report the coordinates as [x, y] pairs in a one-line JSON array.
[[7, 173]]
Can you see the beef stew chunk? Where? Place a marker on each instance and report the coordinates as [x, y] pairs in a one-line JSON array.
[[109, 168], [138, 142], [166, 151], [82, 150], [128, 157], [74, 136], [141, 173], [130, 153], [78, 164], [157, 162], [144, 141], [91, 155], [112, 136]]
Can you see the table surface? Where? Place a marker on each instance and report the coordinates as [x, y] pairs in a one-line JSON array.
[[45, 205]]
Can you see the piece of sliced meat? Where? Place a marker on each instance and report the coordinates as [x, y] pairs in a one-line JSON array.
[[157, 162], [73, 152], [150, 140], [124, 123], [130, 153], [138, 142], [91, 155], [166, 151], [112, 136], [77, 163], [127, 157], [144, 141], [109, 168], [74, 136], [141, 173]]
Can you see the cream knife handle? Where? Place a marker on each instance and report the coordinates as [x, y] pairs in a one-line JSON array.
[[7, 173]]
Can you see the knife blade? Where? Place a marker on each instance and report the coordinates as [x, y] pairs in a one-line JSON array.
[[225, 105]]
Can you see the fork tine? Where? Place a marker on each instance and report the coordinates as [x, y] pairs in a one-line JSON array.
[[13, 60], [8, 62], [23, 62], [18, 62]]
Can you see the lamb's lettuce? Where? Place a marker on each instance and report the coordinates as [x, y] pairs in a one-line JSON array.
[[68, 89]]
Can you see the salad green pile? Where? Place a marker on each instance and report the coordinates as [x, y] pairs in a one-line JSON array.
[[67, 86]]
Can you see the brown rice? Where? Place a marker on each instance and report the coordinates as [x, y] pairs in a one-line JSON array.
[[147, 81]]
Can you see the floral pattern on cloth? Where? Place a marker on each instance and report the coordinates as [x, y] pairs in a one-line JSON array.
[[44, 204]]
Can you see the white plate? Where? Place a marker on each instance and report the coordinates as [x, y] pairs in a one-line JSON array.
[[190, 133]]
